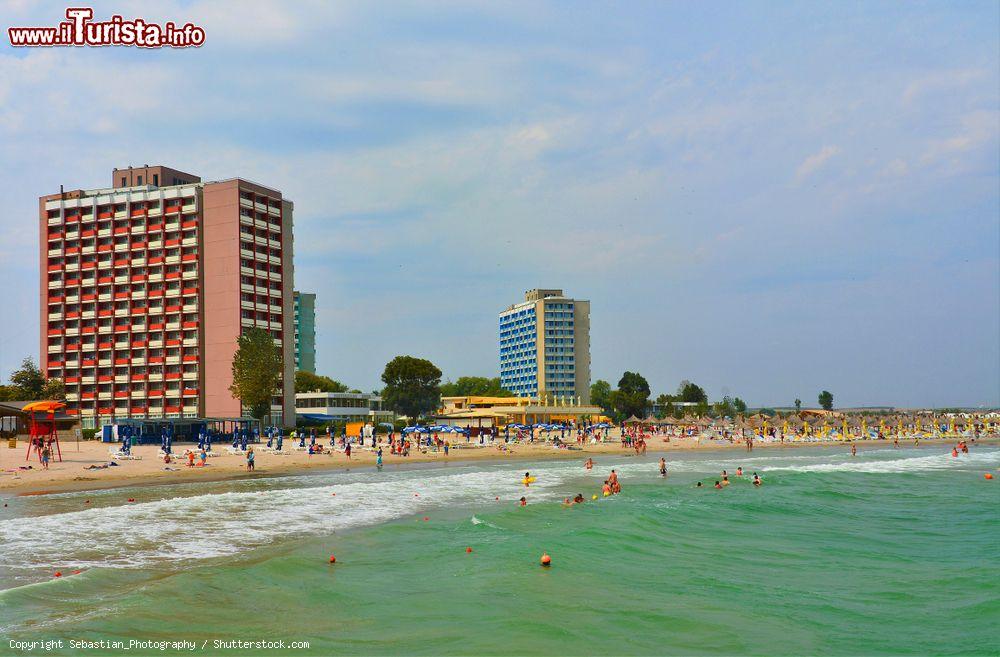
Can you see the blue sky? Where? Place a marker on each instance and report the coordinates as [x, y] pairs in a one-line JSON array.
[[769, 199]]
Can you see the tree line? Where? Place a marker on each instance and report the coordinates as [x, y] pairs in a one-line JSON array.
[[29, 383]]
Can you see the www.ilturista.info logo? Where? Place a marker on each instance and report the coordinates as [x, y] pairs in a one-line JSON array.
[[80, 30]]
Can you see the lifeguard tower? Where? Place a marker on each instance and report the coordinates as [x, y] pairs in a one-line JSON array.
[[42, 430]]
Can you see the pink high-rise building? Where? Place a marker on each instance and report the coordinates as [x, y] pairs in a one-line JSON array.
[[146, 286]]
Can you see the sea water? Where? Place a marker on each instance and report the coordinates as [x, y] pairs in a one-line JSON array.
[[893, 551]]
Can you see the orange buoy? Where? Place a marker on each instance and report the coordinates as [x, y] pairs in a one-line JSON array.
[[333, 559], [58, 574], [546, 560], [468, 550], [988, 475]]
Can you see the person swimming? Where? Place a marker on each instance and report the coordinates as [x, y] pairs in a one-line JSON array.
[[663, 467], [718, 485], [589, 464], [606, 488], [756, 480], [698, 485], [739, 471], [578, 499], [725, 480], [524, 501]]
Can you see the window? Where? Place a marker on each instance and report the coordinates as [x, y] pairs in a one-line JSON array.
[[156, 179], [124, 181], [138, 180]]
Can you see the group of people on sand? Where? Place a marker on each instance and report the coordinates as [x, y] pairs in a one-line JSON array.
[[724, 481]]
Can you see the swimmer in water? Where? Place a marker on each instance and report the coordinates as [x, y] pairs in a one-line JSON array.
[[613, 480], [524, 501], [854, 449], [527, 478], [739, 471], [756, 480], [589, 464], [718, 485], [725, 481], [698, 485], [578, 499], [663, 467], [606, 488]]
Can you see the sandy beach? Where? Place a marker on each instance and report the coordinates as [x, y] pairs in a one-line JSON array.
[[72, 472]]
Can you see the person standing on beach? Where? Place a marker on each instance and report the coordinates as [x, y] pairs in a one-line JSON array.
[[250, 457], [46, 453], [347, 451]]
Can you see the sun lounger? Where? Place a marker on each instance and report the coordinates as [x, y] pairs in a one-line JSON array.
[[119, 455]]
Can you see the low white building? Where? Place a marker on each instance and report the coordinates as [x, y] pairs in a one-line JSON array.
[[341, 407]]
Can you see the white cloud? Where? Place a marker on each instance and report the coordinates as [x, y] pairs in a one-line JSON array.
[[815, 162]]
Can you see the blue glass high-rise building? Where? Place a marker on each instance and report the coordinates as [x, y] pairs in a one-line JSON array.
[[545, 346]]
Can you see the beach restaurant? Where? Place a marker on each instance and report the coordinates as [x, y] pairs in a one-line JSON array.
[[480, 412], [15, 421]]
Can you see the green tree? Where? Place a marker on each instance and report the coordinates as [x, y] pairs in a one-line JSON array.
[[631, 397], [633, 383], [309, 382], [28, 380], [798, 405], [826, 400], [600, 395], [256, 370], [739, 405], [690, 392], [8, 393], [54, 389], [725, 408], [480, 386], [412, 386]]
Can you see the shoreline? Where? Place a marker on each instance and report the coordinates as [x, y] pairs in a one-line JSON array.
[[70, 475]]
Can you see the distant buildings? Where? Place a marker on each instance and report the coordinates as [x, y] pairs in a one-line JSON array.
[[341, 407], [483, 412], [545, 347], [147, 284], [305, 332]]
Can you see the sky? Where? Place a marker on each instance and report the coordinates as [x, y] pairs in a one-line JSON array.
[[769, 199]]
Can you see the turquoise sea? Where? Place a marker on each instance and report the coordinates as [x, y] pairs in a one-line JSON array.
[[894, 551]]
